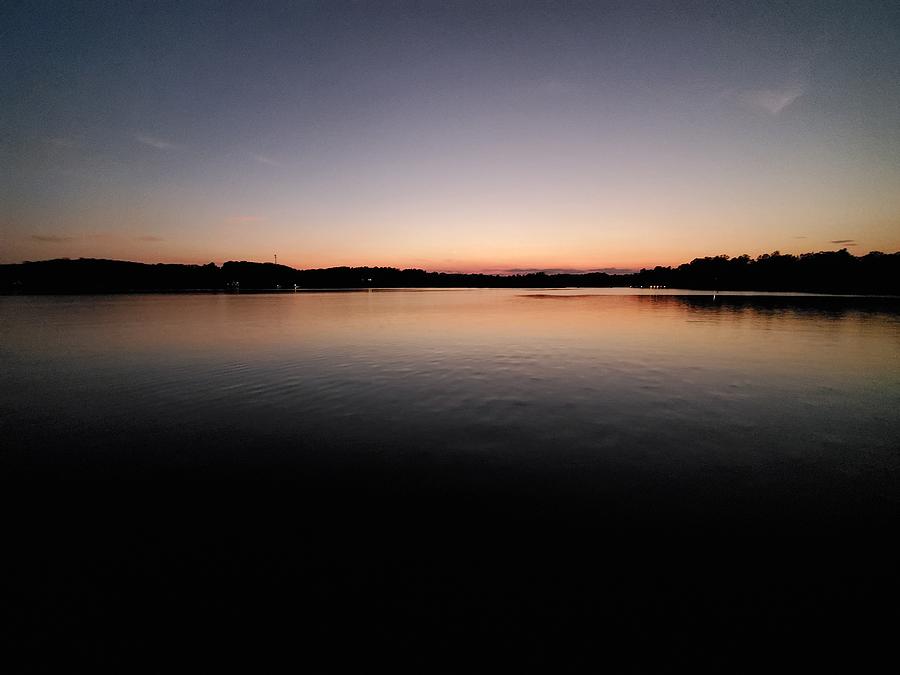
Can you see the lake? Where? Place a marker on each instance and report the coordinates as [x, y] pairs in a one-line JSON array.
[[430, 474]]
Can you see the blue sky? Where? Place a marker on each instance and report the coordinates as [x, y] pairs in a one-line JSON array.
[[456, 136]]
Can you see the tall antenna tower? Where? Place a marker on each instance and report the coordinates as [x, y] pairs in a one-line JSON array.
[[276, 258]]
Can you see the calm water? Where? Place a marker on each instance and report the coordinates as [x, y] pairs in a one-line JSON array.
[[450, 469], [661, 388]]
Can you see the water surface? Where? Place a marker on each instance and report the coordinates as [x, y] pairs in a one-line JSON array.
[[432, 474], [763, 393]]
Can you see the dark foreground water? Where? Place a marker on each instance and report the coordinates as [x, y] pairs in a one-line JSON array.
[[453, 480]]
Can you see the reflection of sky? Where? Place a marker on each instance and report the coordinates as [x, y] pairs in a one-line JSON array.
[[449, 138], [783, 408], [668, 385], [563, 327]]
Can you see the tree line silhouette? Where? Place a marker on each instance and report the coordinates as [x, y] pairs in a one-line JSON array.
[[822, 272]]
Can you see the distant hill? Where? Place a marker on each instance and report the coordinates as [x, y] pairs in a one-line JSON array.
[[823, 272]]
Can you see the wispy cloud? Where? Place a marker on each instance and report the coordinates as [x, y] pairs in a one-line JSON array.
[[62, 142], [845, 242], [262, 159], [777, 95], [51, 238], [774, 100], [82, 236], [154, 142], [149, 237]]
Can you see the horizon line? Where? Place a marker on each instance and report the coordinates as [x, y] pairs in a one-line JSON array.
[[487, 271]]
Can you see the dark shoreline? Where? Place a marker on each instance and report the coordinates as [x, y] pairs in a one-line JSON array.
[[827, 272], [689, 292]]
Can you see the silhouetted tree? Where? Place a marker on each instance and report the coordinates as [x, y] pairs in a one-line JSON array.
[[824, 271]]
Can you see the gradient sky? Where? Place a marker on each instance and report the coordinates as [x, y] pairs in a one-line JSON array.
[[450, 136]]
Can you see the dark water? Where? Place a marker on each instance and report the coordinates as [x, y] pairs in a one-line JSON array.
[[450, 480]]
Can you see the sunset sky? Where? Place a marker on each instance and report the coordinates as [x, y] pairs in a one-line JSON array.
[[451, 136]]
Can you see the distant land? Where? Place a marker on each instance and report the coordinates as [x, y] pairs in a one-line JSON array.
[[823, 272]]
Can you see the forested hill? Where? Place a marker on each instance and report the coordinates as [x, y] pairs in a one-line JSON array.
[[823, 272]]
